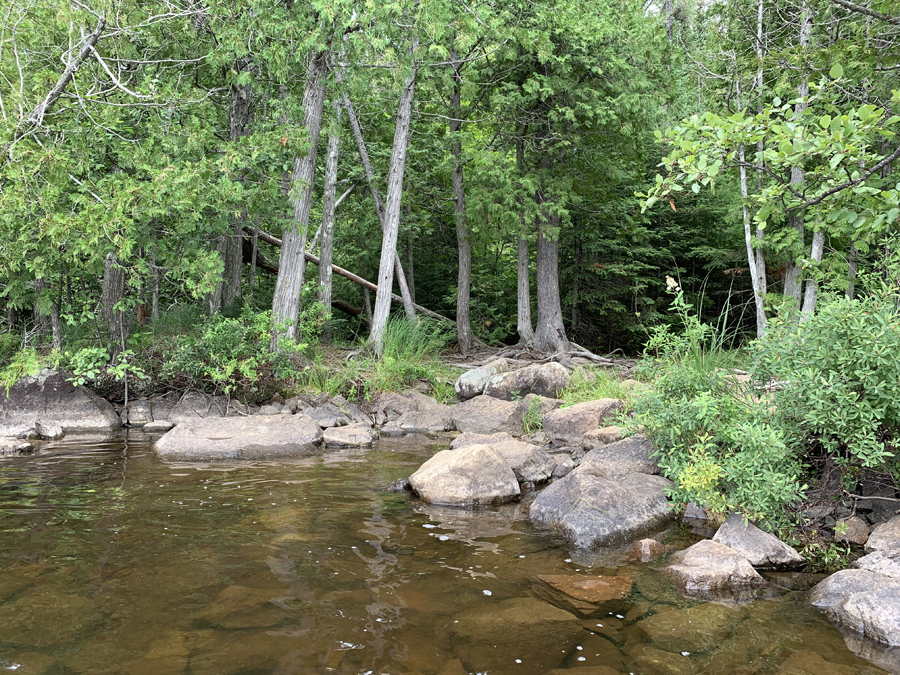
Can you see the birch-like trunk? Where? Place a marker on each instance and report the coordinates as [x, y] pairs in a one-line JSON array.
[[391, 222], [292, 264], [379, 206], [809, 298], [851, 273], [523, 295], [326, 251], [760, 146]]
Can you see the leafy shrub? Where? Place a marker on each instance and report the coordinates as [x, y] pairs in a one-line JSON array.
[[839, 379]]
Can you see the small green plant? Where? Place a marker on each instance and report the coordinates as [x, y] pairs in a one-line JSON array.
[[86, 363], [533, 420], [26, 363]]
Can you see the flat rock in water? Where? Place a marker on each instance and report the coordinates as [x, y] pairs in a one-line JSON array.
[[567, 426], [256, 437], [351, 436], [472, 475], [49, 399], [486, 415], [196, 405], [709, 568], [529, 462], [431, 419], [696, 630], [644, 550], [15, 446], [472, 383], [885, 536], [491, 637], [591, 510], [595, 590], [862, 601], [546, 379], [760, 548], [631, 455], [479, 439]]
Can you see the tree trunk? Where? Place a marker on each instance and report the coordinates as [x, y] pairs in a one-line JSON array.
[[41, 320], [670, 18], [286, 299], [392, 212], [760, 147], [253, 253], [154, 282], [809, 299], [523, 294], [112, 294], [367, 302], [411, 277], [379, 207], [851, 274], [550, 335], [326, 252]]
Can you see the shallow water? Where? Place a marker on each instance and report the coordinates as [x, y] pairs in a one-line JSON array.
[[112, 561]]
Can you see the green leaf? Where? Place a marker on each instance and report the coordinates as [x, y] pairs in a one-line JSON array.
[[836, 72], [696, 188]]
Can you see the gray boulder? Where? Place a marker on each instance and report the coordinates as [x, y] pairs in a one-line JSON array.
[[472, 383], [351, 410], [863, 602], [255, 437], [591, 510], [50, 399], [49, 430], [546, 379], [329, 415], [270, 409], [430, 419], [596, 438], [139, 412], [567, 426], [479, 439], [388, 406], [760, 548], [350, 436], [853, 530], [885, 536], [195, 405], [885, 562], [473, 475], [631, 455], [564, 466], [708, 568], [529, 462], [487, 415]]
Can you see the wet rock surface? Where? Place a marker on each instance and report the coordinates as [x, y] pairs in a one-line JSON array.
[[760, 548], [695, 629], [472, 475], [862, 601], [359, 435], [711, 569]]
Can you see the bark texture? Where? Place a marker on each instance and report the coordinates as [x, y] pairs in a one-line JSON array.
[[112, 294], [550, 334], [326, 252], [523, 295]]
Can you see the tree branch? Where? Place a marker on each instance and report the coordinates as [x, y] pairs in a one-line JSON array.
[[859, 9]]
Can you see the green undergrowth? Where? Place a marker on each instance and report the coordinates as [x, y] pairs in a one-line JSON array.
[[589, 383]]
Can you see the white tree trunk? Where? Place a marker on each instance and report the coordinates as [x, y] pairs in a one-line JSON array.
[[523, 295], [391, 223], [809, 299], [326, 252]]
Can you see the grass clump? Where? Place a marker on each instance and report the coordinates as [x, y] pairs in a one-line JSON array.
[[591, 383]]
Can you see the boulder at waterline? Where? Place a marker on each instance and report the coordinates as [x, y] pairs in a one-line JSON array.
[[15, 446], [885, 536], [472, 383], [694, 630], [138, 413], [863, 602], [255, 437], [432, 419], [584, 595], [567, 426], [196, 405], [486, 415], [546, 379], [590, 510], [350, 436], [491, 637], [479, 439], [49, 398], [528, 462], [351, 410], [853, 530], [760, 548], [388, 406], [630, 455], [708, 568], [648, 660], [328, 415], [470, 476]]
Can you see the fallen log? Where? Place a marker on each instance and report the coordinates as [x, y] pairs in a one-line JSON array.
[[365, 283]]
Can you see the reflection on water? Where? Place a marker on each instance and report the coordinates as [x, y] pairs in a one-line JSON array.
[[114, 562]]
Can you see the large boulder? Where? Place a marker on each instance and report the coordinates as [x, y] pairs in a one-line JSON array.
[[255, 437], [546, 379], [49, 399], [760, 548], [528, 462], [351, 410], [567, 426], [885, 563], [195, 405], [492, 637], [708, 568], [473, 475], [487, 415], [591, 510], [863, 602], [885, 536], [472, 383], [630, 455]]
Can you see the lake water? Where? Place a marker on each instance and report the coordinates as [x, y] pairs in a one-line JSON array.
[[112, 561]]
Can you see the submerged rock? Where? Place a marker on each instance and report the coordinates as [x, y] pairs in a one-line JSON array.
[[695, 630], [594, 590], [708, 568], [493, 636], [546, 379], [862, 601], [352, 436], [50, 401], [256, 437], [760, 548], [486, 415], [473, 475], [567, 426], [472, 383]]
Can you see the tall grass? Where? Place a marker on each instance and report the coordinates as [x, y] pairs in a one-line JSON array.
[[590, 384]]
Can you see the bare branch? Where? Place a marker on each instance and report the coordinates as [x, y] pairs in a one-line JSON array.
[[859, 9]]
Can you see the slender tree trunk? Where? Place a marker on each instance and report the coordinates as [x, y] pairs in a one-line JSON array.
[[392, 212], [379, 206], [292, 264], [809, 299], [851, 274], [112, 294], [410, 271], [760, 147], [550, 334], [154, 282], [792, 283], [326, 253], [523, 294], [254, 251], [367, 302], [670, 18]]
